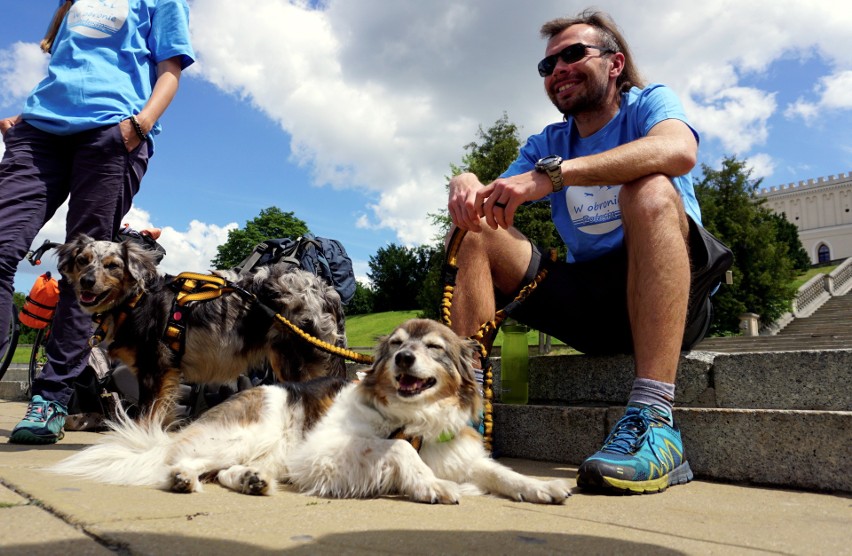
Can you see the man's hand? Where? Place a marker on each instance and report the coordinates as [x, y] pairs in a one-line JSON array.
[[7, 123], [499, 200], [470, 201], [463, 205], [128, 135]]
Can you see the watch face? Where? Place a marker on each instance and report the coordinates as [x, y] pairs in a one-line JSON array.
[[549, 161]]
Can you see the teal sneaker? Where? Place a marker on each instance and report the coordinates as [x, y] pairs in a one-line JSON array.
[[42, 424], [643, 453]]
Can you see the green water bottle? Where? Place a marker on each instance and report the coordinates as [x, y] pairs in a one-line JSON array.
[[515, 364]]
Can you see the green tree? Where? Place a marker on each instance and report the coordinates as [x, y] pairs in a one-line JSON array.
[[788, 233], [397, 274], [271, 223], [763, 269], [362, 302]]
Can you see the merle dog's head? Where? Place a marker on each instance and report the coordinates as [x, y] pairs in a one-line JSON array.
[[424, 363], [104, 273]]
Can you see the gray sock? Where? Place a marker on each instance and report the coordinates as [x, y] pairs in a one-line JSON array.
[[652, 392]]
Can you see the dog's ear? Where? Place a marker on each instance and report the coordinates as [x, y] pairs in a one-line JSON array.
[[67, 253], [469, 391], [139, 262]]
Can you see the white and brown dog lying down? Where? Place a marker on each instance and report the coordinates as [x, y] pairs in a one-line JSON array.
[[224, 336], [332, 438]]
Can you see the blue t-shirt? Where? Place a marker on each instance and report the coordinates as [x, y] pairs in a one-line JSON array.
[[104, 63], [589, 218]]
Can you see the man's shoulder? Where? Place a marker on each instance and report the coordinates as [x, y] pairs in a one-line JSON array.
[[654, 90]]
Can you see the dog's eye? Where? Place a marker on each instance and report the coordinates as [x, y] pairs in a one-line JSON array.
[[81, 260], [112, 266], [433, 345]]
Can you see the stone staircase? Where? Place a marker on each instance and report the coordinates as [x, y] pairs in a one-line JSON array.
[[781, 419], [774, 409], [829, 327]]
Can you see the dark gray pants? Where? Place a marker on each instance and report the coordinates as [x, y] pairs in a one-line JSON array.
[[39, 171]]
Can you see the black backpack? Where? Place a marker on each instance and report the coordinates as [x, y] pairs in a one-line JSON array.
[[321, 256]]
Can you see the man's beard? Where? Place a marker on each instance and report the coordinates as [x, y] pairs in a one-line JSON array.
[[592, 99]]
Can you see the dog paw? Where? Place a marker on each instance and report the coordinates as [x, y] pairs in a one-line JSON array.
[[437, 492], [183, 482], [251, 482], [544, 492]]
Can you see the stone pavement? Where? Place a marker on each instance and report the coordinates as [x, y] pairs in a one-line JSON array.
[[42, 513]]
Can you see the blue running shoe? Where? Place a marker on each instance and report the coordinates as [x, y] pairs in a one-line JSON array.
[[643, 453], [42, 424]]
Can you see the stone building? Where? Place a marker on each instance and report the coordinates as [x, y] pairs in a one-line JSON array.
[[822, 211]]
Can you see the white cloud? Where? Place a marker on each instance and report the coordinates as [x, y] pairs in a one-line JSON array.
[[21, 67], [189, 250], [762, 165], [384, 95], [834, 92]]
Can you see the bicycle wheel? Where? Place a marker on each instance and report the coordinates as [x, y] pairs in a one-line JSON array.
[[10, 342], [38, 357]]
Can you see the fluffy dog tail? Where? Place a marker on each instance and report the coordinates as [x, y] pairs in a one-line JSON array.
[[132, 453]]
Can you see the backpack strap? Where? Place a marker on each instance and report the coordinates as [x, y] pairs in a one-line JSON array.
[[248, 263]]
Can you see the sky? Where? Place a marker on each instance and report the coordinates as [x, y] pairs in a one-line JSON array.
[[349, 113]]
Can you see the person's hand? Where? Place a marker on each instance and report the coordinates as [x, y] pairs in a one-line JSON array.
[[7, 123], [463, 205], [128, 134], [499, 200]]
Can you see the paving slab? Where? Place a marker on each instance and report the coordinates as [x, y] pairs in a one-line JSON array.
[[41, 513]]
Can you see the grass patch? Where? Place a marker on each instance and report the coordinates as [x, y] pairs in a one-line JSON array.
[[805, 276], [362, 331]]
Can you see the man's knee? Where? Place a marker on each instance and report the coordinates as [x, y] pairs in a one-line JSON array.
[[652, 199]]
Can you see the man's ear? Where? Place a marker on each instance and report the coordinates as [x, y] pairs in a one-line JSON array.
[[616, 60]]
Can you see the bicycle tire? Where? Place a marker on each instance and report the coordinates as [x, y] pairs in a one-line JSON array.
[[37, 358], [12, 335]]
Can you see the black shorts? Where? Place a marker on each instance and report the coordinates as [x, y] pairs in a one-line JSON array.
[[585, 304]]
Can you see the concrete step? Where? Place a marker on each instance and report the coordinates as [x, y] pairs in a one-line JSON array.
[[798, 380], [798, 449], [780, 419], [13, 387], [791, 342]]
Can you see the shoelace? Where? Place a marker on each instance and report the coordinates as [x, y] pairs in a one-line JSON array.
[[35, 412], [631, 430]]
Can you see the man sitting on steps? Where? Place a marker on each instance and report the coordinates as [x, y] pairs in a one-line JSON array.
[[617, 174]]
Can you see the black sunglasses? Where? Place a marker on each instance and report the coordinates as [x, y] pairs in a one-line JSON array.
[[569, 55]]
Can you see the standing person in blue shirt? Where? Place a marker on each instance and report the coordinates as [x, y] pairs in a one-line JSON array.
[[85, 135], [617, 174]]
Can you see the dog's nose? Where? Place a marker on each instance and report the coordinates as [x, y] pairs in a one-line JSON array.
[[87, 282], [404, 358]]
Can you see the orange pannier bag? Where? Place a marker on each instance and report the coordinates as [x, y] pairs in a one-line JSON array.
[[38, 310]]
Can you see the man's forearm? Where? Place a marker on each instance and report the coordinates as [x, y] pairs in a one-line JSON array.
[[672, 155]]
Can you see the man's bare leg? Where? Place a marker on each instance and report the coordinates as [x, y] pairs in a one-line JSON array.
[[487, 259], [655, 229], [658, 275]]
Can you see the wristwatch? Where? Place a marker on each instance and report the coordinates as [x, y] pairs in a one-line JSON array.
[[552, 166]]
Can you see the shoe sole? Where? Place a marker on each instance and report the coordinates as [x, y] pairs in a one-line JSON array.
[[679, 476], [26, 437]]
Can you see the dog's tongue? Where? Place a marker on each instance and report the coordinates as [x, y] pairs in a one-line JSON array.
[[409, 382], [87, 297]]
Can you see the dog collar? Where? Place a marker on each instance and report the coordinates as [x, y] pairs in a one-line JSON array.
[[446, 436], [417, 441], [122, 310]]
